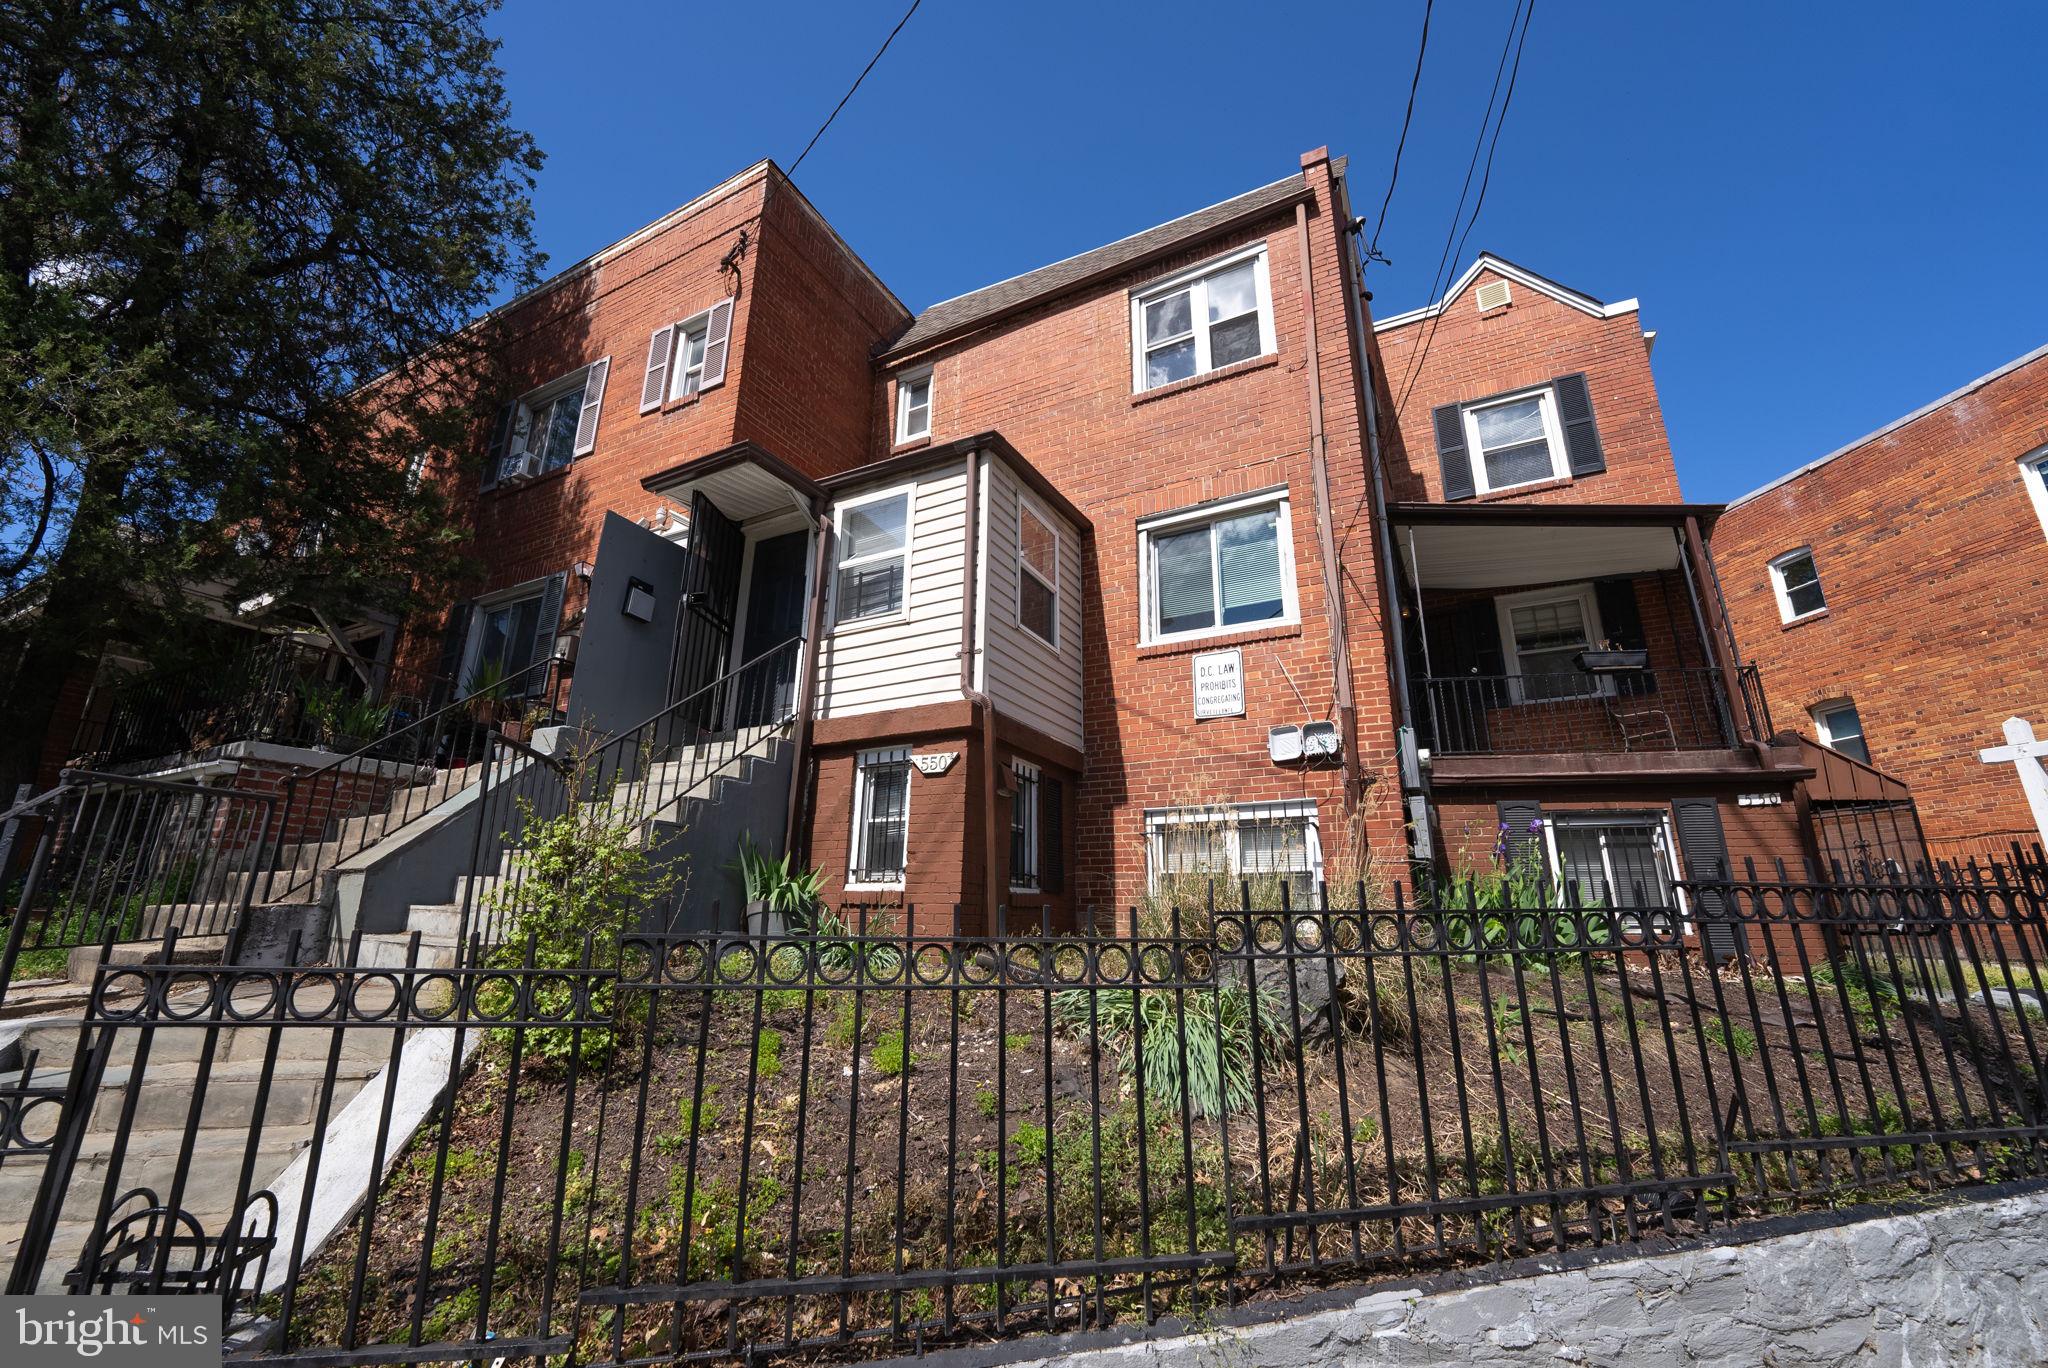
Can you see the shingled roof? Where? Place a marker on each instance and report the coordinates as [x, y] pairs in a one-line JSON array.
[[951, 317]]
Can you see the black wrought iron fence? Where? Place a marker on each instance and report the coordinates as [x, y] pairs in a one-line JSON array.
[[1576, 712], [116, 858], [876, 1140]]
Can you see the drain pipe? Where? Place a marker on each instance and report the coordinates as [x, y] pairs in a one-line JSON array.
[[1326, 544], [970, 579]]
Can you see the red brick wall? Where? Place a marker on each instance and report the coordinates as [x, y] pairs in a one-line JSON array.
[[1056, 381], [308, 810], [1534, 339], [1935, 569], [944, 864]]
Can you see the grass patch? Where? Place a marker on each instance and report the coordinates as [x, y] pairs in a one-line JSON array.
[[768, 1054], [890, 1055]]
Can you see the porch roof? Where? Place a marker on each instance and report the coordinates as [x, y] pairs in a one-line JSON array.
[[1491, 546], [744, 480]]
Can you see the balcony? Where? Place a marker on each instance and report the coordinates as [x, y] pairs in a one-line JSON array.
[[1569, 639]]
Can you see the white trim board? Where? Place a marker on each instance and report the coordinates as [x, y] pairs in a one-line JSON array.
[[1585, 304]]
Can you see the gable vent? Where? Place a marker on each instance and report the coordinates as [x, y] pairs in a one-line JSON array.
[[1493, 295]]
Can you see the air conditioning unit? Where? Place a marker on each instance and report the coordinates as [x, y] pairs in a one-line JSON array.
[[1493, 295], [518, 469]]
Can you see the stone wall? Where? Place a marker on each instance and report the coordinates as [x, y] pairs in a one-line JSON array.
[[1962, 1283]]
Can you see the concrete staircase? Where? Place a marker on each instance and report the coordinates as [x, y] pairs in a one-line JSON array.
[[229, 1133]]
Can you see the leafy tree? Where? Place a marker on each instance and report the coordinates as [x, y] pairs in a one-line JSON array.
[[240, 242]]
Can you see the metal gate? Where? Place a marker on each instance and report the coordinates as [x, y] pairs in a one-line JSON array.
[[711, 597]]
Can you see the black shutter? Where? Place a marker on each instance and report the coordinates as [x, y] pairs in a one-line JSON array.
[[1621, 621], [494, 454], [544, 631], [1450, 452], [1524, 832], [1703, 848], [453, 638], [1052, 848], [1581, 435]]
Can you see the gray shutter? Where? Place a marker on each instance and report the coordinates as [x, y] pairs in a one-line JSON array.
[[454, 637], [1703, 849], [1581, 435], [1520, 814], [544, 629], [1450, 452], [654, 385], [593, 402], [494, 454], [717, 337]]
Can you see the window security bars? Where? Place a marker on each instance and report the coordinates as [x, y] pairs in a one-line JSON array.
[[866, 1141]]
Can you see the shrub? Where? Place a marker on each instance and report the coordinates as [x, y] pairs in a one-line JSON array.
[[890, 1054], [1217, 1027]]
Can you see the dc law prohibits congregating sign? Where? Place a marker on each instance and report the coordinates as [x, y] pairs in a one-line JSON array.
[[1219, 684]]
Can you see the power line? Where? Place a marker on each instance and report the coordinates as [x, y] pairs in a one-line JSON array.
[[1439, 282], [855, 86], [1372, 252]]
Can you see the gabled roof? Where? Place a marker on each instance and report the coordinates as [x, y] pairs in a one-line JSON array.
[[1521, 275], [978, 308], [1895, 424]]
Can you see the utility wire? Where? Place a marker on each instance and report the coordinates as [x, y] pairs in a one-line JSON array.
[[1440, 282], [855, 86], [1372, 252]]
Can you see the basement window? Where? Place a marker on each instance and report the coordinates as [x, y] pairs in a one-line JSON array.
[[1216, 315], [881, 819], [1796, 581], [1613, 860], [1271, 845], [1024, 828]]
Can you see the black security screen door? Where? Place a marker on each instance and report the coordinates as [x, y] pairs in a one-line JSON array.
[[775, 613], [711, 598]]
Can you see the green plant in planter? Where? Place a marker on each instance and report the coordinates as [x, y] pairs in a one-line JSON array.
[[486, 688], [779, 885]]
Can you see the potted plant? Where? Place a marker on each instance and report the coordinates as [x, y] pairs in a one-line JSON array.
[[1608, 658], [777, 891]]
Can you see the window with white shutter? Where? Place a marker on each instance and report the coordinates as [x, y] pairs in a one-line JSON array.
[[1218, 568]]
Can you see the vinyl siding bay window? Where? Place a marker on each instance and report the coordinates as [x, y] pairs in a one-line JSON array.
[[1217, 568], [1202, 320], [872, 579], [1038, 577]]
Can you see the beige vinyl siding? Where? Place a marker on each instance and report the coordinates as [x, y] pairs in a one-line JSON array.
[[1025, 678], [907, 663]]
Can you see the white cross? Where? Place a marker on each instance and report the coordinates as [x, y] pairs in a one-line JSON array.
[[2024, 754]]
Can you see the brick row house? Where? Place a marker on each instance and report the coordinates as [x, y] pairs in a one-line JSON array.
[[1891, 592], [1165, 559]]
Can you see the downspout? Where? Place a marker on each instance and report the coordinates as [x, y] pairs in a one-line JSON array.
[[807, 690], [1710, 619], [1326, 542], [985, 711]]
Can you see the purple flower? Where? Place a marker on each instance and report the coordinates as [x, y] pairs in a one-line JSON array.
[[1536, 825]]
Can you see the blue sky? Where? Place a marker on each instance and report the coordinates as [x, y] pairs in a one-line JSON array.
[[1830, 212]]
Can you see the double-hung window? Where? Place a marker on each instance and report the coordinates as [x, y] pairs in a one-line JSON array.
[[1038, 575], [1515, 441], [549, 427], [1544, 632], [874, 558], [1841, 728], [1612, 860], [685, 359], [1217, 315], [2034, 475], [1217, 568], [914, 405], [881, 818], [1024, 828], [1796, 581], [1269, 845]]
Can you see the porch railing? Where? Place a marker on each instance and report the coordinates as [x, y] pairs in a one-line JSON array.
[[281, 689], [696, 1148], [1574, 712]]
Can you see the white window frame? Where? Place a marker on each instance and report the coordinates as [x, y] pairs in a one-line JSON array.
[[2034, 475], [906, 492], [1025, 508], [861, 764], [1230, 816], [696, 324], [1661, 820], [903, 406], [1025, 772], [522, 428], [1194, 280], [1786, 613], [1504, 607], [415, 471], [1180, 520], [1835, 707], [1553, 436]]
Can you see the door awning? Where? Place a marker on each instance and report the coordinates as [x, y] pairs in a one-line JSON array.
[[744, 480]]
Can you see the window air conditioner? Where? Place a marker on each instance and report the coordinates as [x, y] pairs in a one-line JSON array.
[[518, 469]]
